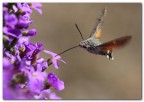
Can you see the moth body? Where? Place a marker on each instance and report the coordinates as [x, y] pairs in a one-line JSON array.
[[91, 45]]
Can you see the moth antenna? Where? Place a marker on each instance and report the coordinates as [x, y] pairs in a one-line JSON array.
[[79, 31], [67, 50]]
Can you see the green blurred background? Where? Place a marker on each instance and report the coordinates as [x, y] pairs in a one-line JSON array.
[[89, 76]]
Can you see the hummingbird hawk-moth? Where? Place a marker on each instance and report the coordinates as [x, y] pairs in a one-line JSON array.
[[93, 44]]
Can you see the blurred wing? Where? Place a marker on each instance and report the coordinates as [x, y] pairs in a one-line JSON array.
[[97, 31], [114, 44]]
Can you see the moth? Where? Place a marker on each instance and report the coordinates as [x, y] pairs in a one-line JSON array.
[[94, 45]]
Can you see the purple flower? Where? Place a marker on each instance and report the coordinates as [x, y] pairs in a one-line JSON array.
[[8, 91], [32, 50], [55, 81], [54, 96], [55, 58], [24, 7], [23, 39], [35, 79], [5, 10], [24, 21], [42, 63], [32, 32], [5, 4], [14, 93], [17, 55], [37, 7], [43, 94], [23, 24], [13, 32], [39, 47], [7, 75], [24, 75], [10, 20], [30, 47], [7, 64], [11, 57], [15, 8], [47, 94]]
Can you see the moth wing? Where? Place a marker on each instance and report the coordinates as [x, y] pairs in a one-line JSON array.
[[97, 31], [114, 44]]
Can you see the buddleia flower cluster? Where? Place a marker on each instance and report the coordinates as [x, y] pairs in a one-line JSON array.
[[24, 71]]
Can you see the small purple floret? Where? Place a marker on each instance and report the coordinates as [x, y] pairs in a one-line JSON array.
[[32, 32]]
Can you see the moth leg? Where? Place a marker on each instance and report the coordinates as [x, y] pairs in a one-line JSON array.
[[110, 55]]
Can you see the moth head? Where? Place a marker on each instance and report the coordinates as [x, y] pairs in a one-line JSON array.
[[83, 44]]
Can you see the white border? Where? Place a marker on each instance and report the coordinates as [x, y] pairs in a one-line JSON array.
[[77, 1], [63, 1], [1, 53]]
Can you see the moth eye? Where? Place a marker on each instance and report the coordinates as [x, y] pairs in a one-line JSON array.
[[84, 46]]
